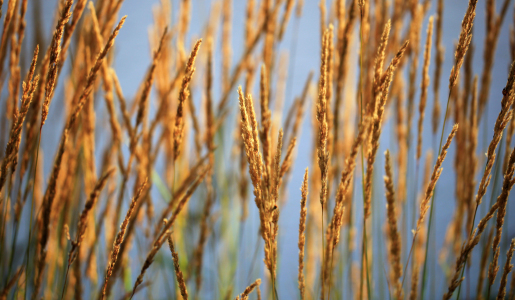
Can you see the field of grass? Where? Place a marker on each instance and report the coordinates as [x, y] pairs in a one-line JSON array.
[[229, 170]]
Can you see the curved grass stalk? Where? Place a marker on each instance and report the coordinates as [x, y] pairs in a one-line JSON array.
[[424, 270]]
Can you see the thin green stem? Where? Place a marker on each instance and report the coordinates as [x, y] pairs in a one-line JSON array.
[[484, 240], [330, 273], [349, 253], [9, 191], [65, 281], [31, 214], [16, 226], [414, 210], [432, 202], [362, 260], [323, 249], [412, 222], [474, 219]]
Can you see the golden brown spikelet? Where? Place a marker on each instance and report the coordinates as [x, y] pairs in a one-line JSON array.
[[393, 234], [10, 17], [55, 52], [265, 180], [345, 181], [321, 114], [14, 68], [265, 116], [107, 79], [253, 124], [276, 175], [463, 43], [302, 236], [93, 72], [380, 103], [183, 96], [120, 238], [437, 171], [380, 57], [493, 28], [249, 289], [142, 104], [439, 58], [11, 151], [285, 166], [507, 269], [344, 36], [417, 12], [178, 272], [502, 201], [254, 158], [329, 92], [78, 9], [323, 128], [502, 121], [400, 130], [424, 86]]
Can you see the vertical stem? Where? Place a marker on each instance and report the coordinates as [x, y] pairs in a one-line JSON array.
[[432, 203], [323, 250], [31, 214]]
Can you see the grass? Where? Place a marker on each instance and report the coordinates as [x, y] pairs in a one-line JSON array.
[[208, 161]]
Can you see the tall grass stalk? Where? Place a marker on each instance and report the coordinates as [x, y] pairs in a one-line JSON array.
[[424, 270], [364, 251], [31, 214]]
